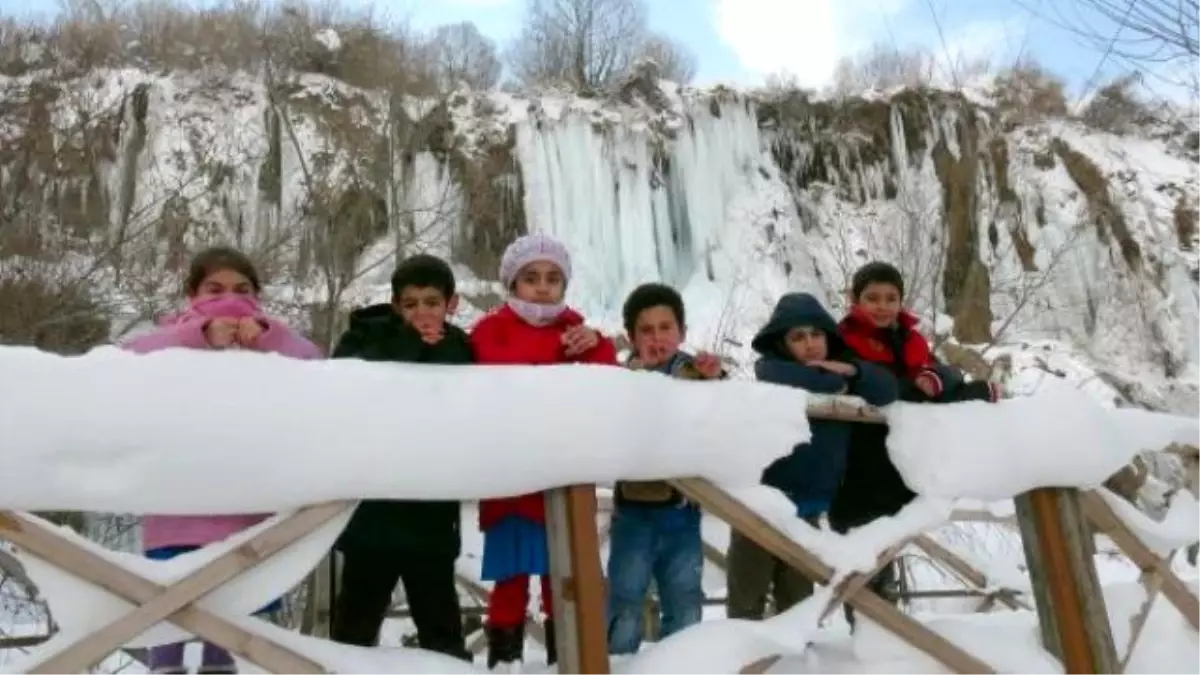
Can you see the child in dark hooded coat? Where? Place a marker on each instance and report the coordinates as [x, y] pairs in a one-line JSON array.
[[799, 347]]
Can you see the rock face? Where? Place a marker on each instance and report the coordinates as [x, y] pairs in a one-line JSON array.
[[1008, 233]]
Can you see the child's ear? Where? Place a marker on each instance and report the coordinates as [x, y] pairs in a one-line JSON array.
[[452, 304]]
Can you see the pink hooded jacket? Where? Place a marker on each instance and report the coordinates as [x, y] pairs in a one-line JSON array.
[[186, 330]]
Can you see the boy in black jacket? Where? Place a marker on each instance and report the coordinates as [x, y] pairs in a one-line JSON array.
[[800, 347], [878, 329], [415, 542]]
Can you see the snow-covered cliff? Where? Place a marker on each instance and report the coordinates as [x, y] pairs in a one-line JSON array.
[[1059, 248]]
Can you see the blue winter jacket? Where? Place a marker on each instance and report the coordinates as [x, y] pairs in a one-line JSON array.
[[811, 474]]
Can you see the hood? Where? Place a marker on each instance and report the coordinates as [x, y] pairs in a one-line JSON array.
[[792, 310]]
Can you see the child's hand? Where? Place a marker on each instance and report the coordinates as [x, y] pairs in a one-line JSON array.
[[929, 384], [248, 331], [708, 364], [579, 339], [836, 367], [431, 335], [221, 333]]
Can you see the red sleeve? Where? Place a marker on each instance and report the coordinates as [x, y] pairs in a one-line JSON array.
[[604, 353], [918, 356]]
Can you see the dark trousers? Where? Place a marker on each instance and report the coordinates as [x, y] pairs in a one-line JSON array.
[[368, 580]]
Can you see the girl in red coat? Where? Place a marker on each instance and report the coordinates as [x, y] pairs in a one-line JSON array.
[[534, 327]]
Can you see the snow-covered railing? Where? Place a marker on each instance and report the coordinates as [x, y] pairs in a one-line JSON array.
[[115, 432]]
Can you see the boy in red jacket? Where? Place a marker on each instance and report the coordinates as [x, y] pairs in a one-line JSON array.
[[533, 327], [879, 330]]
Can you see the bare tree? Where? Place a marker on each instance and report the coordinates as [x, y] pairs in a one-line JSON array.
[[1152, 30], [675, 61], [461, 53], [581, 43], [883, 66]]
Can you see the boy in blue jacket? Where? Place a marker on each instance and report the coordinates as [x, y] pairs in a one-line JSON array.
[[799, 347]]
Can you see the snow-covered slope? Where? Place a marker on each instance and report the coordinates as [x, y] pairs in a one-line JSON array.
[[1062, 249]]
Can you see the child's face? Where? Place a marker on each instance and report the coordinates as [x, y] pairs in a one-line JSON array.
[[221, 282], [881, 302], [656, 335], [541, 283], [424, 307], [807, 344]]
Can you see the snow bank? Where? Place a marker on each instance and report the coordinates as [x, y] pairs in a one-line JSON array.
[[113, 431], [1178, 528], [728, 645], [1155, 431], [857, 550], [1056, 437]]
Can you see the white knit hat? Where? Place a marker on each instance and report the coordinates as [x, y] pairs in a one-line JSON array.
[[533, 248]]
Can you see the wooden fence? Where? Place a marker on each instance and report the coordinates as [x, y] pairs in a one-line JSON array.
[[1056, 526]]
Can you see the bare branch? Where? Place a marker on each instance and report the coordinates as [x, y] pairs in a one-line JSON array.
[[586, 44], [460, 53], [675, 61]]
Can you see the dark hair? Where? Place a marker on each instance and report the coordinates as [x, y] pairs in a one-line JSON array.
[[423, 271], [215, 259], [876, 273], [652, 295]]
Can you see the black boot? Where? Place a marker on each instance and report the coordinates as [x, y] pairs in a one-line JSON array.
[[505, 645], [551, 642]]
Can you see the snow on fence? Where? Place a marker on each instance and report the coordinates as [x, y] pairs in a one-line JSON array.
[[155, 434]]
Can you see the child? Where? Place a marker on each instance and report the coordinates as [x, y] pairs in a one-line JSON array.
[[879, 330], [799, 347], [222, 288], [533, 327], [655, 530], [388, 541]]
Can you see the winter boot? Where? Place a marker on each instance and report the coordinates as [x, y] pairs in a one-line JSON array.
[[551, 643], [505, 645]]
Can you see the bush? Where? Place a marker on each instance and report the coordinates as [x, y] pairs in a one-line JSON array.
[[1028, 93], [237, 35], [39, 307], [1116, 107]]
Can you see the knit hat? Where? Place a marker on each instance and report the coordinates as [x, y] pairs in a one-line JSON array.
[[533, 248]]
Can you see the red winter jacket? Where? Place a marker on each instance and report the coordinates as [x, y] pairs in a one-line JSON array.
[[869, 343], [504, 338]]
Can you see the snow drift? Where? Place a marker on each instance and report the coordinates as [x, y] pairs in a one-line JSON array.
[[112, 431]]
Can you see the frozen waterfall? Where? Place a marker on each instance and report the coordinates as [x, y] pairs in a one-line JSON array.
[[631, 214]]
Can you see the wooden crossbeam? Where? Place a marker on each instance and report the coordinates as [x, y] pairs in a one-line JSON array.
[[156, 602], [1177, 592], [965, 570], [858, 581], [723, 505]]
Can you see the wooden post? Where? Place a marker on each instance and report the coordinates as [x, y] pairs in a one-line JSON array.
[[1070, 605], [577, 580]]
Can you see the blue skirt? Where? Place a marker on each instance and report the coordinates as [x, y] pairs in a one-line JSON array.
[[168, 552], [515, 546]]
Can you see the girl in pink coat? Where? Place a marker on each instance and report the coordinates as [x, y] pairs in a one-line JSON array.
[[222, 288]]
